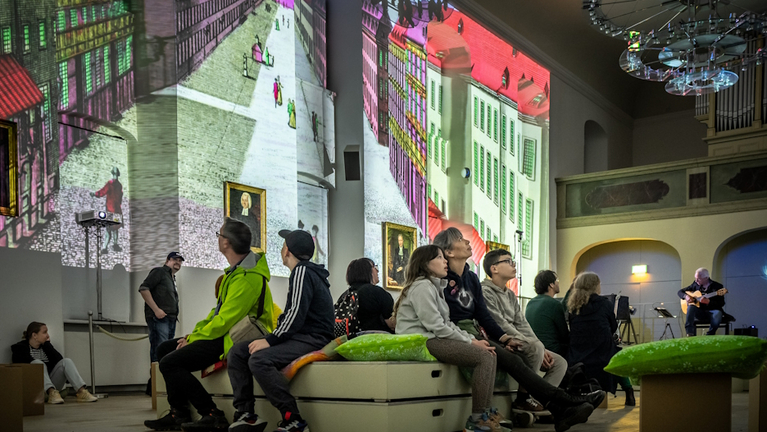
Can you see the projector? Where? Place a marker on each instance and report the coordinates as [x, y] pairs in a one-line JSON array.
[[98, 217]]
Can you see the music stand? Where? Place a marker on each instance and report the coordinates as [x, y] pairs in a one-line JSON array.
[[664, 313]]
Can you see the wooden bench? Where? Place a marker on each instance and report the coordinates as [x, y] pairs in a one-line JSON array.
[[369, 396]]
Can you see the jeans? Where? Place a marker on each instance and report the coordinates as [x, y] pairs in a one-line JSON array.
[[160, 330], [62, 372], [266, 366], [695, 312], [177, 365]]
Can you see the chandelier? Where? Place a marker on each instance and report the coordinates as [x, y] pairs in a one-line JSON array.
[[695, 46]]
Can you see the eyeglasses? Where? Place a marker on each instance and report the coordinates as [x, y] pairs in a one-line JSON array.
[[510, 261], [218, 234]]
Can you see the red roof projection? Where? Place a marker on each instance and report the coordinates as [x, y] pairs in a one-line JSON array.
[[18, 91], [528, 82]]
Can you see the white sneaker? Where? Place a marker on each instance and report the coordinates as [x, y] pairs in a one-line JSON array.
[[54, 397], [85, 396]]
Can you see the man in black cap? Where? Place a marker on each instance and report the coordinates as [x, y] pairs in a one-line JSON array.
[[305, 325], [161, 304]]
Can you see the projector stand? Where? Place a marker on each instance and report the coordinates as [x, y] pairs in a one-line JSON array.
[[625, 327]]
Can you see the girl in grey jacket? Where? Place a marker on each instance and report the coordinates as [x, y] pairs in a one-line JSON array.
[[421, 309]]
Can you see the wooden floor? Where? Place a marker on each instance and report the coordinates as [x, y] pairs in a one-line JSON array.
[[127, 412]]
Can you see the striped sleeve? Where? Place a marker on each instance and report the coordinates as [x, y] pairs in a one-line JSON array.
[[296, 308]]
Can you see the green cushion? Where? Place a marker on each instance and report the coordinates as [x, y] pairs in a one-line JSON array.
[[386, 347], [741, 356]]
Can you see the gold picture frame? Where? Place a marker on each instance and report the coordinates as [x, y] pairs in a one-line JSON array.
[[8, 158], [491, 245], [234, 207], [396, 255]]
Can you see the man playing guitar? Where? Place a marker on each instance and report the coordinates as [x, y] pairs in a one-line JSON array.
[[703, 297]]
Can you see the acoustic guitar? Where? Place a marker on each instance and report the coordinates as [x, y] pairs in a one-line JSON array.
[[698, 296]]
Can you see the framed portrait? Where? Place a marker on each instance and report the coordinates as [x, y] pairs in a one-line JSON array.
[[8, 169], [399, 241], [247, 204], [491, 245]]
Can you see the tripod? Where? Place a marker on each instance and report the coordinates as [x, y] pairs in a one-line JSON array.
[[669, 329]]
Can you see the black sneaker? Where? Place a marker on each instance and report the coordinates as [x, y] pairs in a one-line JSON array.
[[170, 422], [213, 421], [296, 424], [247, 422], [570, 416]]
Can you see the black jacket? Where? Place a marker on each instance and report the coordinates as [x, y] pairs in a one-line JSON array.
[[375, 306], [715, 302], [21, 354], [591, 339], [464, 297], [309, 309], [160, 283]]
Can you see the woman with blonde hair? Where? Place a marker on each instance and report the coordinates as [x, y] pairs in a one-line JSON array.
[[592, 326]]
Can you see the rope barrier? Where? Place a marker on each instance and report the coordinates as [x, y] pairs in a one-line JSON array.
[[101, 329]]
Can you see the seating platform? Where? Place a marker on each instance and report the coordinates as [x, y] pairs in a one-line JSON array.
[[370, 396]]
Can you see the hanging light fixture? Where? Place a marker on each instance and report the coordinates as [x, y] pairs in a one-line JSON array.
[[694, 46]]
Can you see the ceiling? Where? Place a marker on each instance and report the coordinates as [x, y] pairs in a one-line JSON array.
[[562, 30]]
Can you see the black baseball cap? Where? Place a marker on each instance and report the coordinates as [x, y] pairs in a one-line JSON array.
[[174, 255], [300, 243]]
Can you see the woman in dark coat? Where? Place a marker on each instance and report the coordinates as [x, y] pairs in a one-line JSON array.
[[375, 304], [592, 326]]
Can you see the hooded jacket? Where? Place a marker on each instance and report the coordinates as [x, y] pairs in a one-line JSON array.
[[504, 308], [424, 311], [309, 309], [237, 296]]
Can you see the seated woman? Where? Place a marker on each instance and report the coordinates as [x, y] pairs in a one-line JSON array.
[[421, 309], [592, 326], [375, 305], [36, 348]]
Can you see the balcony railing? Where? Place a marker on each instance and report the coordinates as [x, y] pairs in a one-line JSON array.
[[695, 187]]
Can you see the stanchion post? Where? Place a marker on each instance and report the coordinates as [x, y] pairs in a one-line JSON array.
[[90, 344]]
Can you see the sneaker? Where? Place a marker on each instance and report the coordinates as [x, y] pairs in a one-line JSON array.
[[295, 425], [170, 422], [484, 424], [497, 417], [54, 397], [213, 421], [571, 416], [527, 404], [247, 422], [85, 396]]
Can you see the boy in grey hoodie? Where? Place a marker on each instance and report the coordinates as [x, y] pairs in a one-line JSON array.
[[506, 312]]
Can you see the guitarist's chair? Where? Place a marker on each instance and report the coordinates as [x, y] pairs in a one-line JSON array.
[[704, 322]]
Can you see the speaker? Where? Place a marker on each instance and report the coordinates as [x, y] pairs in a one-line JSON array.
[[352, 163], [747, 331]]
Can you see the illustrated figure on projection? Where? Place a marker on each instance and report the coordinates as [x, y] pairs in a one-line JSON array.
[[113, 191], [315, 125], [400, 257], [317, 249], [277, 92], [251, 216], [277, 24], [291, 113]]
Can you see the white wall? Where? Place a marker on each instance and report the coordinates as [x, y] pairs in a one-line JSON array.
[[669, 137], [31, 290]]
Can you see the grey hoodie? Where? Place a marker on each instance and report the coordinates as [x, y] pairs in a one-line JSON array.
[[506, 312], [424, 311]]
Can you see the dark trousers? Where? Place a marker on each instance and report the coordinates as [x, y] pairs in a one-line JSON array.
[[696, 312], [265, 366], [513, 364], [177, 365]]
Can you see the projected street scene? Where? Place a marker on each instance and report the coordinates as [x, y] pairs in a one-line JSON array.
[[458, 120], [151, 126]]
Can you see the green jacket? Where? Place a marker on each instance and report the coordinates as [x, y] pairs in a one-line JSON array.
[[237, 296]]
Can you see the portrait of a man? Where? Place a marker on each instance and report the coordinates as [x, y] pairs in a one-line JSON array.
[[398, 245], [247, 204]]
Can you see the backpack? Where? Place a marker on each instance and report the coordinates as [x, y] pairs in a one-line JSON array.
[[576, 382], [345, 311]]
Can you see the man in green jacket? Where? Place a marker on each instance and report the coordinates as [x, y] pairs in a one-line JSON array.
[[209, 342], [546, 314]]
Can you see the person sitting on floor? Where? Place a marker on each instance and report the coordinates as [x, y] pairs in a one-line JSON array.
[[209, 342], [306, 325], [504, 308], [469, 311], [374, 304], [36, 348], [546, 314], [592, 326]]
